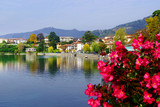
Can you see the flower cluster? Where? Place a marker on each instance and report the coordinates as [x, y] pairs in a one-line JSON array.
[[129, 78]]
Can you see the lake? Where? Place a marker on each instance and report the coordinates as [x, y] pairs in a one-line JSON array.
[[46, 81]]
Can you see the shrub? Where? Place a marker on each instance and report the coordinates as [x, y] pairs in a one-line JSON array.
[[132, 79]]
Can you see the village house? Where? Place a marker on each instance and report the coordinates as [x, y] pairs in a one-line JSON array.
[[30, 50], [3, 39], [59, 46], [66, 39], [17, 40], [129, 37], [46, 40]]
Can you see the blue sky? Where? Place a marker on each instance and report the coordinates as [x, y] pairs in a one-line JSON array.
[[28, 15]]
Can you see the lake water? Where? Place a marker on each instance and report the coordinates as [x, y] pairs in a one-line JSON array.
[[46, 81]]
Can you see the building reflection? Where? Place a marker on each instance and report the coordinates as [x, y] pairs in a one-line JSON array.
[[48, 64]]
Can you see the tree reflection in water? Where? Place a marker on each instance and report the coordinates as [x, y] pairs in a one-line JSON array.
[[49, 64]]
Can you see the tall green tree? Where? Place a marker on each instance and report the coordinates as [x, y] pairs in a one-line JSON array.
[[88, 37], [40, 37], [53, 37], [153, 27], [102, 46], [53, 44], [120, 36], [95, 47], [86, 48], [41, 47], [20, 47]]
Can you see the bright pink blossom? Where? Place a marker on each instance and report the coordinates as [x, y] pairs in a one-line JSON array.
[[136, 44], [147, 97], [105, 104], [158, 36], [91, 101], [101, 64], [140, 38]]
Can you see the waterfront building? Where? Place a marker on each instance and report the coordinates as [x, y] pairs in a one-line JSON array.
[[30, 50], [66, 39]]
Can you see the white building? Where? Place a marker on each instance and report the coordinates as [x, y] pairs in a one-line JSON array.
[[30, 50], [3, 39], [66, 39], [20, 40], [17, 40], [46, 40]]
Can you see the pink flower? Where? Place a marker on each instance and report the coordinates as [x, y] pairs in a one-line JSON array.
[[136, 44], [101, 64], [147, 45], [140, 38], [118, 92], [105, 104], [118, 43], [138, 61], [145, 62], [146, 76], [157, 53], [147, 97], [155, 81], [158, 36], [91, 101], [90, 86]]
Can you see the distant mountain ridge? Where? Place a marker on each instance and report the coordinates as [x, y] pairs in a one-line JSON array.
[[130, 27], [46, 31]]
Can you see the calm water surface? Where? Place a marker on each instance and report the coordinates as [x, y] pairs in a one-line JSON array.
[[45, 81]]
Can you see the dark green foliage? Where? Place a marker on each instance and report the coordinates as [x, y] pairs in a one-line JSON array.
[[70, 42], [107, 50], [8, 48], [40, 37], [54, 37], [88, 37], [53, 44], [156, 13], [41, 47]]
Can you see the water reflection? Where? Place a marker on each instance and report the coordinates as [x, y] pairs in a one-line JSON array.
[[48, 64]]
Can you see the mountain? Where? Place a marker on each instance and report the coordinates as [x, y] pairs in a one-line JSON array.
[[130, 27], [46, 31]]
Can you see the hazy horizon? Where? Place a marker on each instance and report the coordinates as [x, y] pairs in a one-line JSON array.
[[19, 16]]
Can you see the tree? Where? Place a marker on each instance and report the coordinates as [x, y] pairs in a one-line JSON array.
[[95, 47], [102, 46], [156, 13], [86, 48], [40, 37], [50, 49], [120, 36], [20, 47], [32, 38], [54, 37], [88, 37], [153, 27], [41, 47], [53, 44]]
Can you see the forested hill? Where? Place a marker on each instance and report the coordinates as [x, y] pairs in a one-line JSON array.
[[130, 27], [46, 31]]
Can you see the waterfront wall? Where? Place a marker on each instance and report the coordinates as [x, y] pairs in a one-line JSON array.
[[93, 56]]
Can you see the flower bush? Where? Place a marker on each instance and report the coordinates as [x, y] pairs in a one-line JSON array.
[[132, 79]]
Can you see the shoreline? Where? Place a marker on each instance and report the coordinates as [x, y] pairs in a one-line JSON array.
[[82, 55]]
